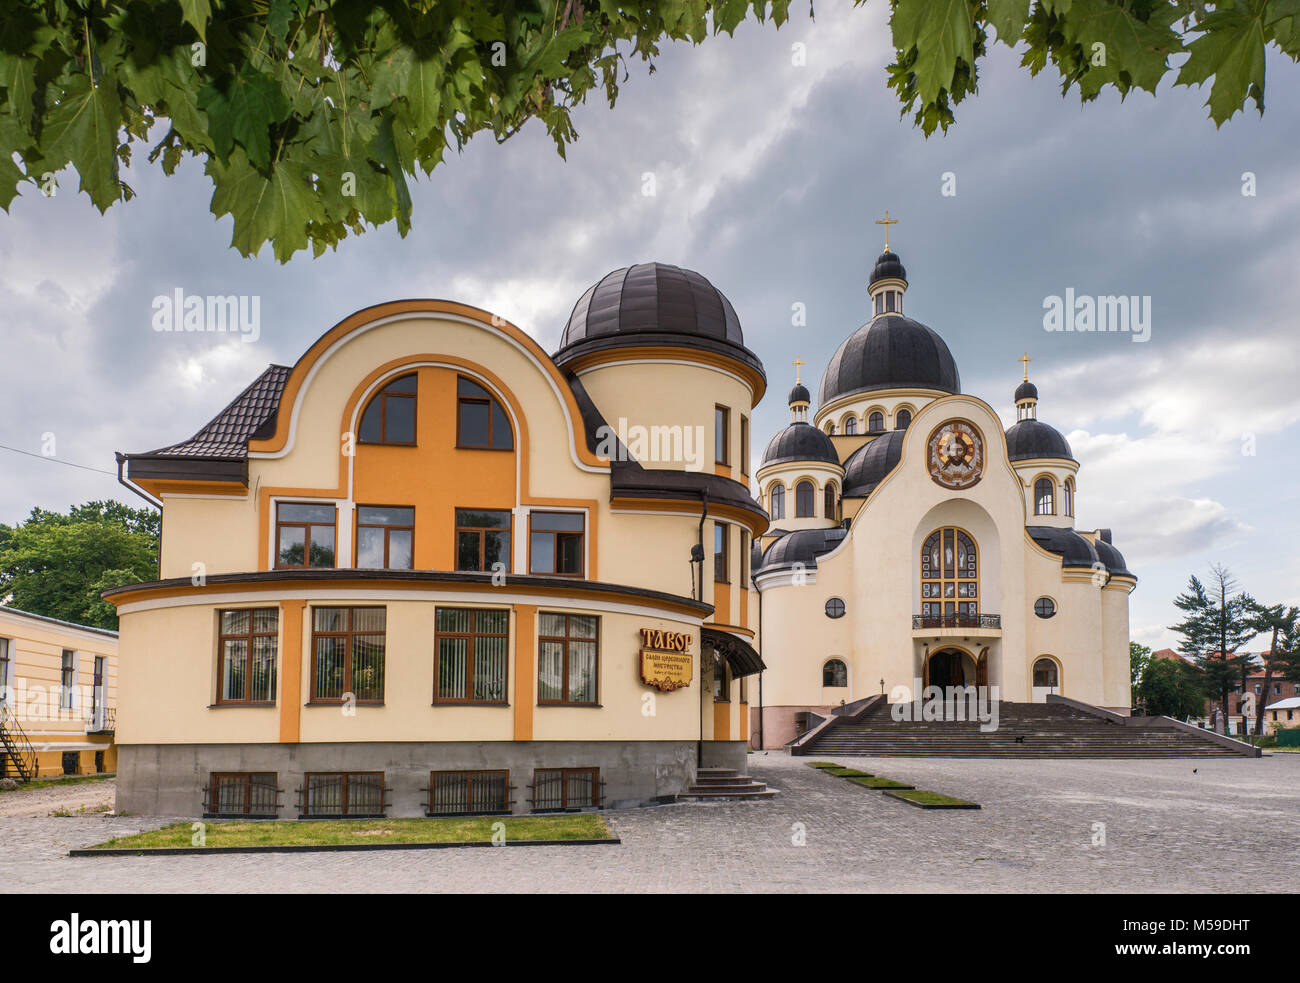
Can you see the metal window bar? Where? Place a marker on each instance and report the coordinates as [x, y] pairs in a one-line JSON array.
[[465, 793], [566, 790], [230, 798], [349, 795]]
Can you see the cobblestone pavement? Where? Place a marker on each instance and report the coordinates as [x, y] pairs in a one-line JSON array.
[[91, 797], [1180, 825]]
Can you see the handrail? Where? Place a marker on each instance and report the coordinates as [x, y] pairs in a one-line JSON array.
[[15, 745]]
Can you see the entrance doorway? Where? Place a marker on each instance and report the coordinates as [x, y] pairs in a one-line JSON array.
[[950, 667]]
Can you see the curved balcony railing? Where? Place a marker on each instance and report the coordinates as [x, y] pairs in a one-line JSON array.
[[957, 621]]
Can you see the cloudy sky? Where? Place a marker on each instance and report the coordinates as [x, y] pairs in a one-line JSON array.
[[768, 176]]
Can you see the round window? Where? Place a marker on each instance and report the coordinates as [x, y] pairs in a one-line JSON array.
[[835, 608], [1044, 607]]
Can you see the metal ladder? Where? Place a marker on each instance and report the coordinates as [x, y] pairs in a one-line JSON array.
[[15, 747]]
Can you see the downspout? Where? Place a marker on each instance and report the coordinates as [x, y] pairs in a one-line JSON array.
[[699, 558], [762, 744], [155, 502]]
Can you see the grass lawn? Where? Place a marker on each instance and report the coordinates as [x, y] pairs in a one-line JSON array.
[[823, 764], [53, 782], [330, 832], [847, 773], [933, 800], [872, 782]]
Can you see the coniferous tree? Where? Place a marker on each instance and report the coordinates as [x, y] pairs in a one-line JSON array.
[[1283, 624], [1217, 623]]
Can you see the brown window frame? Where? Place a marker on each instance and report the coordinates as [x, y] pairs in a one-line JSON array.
[[1051, 495], [555, 546], [247, 777], [358, 525], [306, 542], [830, 503], [248, 636], [347, 777], [744, 445], [565, 639], [384, 396], [744, 559], [350, 633], [799, 512], [597, 799], [776, 497], [490, 400], [470, 636], [482, 538], [722, 455], [67, 677], [721, 557], [470, 777]]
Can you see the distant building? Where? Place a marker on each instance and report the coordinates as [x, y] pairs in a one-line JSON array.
[[58, 696]]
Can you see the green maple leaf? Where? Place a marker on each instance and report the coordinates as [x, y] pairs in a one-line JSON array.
[[276, 208], [1134, 52], [245, 113], [197, 13], [1231, 49], [942, 33], [82, 129], [1008, 19]]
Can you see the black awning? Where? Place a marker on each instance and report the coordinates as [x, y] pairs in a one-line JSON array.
[[740, 655]]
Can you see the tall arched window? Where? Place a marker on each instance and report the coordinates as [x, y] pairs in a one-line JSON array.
[[480, 420], [389, 417], [1044, 497], [1046, 674], [835, 673], [876, 422], [830, 507], [804, 496], [830, 428], [901, 419], [851, 425], [950, 587], [1067, 497], [778, 501]]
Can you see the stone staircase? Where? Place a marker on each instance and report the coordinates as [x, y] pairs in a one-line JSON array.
[[1025, 730], [724, 785]]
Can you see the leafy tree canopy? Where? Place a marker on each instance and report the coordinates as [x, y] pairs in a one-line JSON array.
[[57, 564], [1172, 688], [311, 115], [1139, 656]]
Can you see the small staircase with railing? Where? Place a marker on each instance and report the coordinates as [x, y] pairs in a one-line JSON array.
[[17, 756]]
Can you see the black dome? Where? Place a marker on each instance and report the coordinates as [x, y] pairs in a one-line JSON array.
[[799, 442], [890, 352], [800, 394], [1026, 390], [870, 463], [1110, 556], [654, 304], [1034, 438], [888, 267], [801, 546]]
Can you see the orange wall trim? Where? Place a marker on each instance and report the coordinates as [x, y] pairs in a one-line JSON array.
[[722, 721], [291, 613], [525, 669]]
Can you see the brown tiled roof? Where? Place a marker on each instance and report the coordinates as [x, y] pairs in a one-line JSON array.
[[227, 434]]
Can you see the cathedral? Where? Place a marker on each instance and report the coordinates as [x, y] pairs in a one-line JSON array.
[[913, 542]]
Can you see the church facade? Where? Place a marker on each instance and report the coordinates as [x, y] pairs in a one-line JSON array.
[[915, 543]]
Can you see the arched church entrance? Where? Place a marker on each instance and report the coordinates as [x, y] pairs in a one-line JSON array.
[[950, 667]]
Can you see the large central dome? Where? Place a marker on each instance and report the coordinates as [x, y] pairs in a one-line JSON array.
[[890, 352], [654, 304]]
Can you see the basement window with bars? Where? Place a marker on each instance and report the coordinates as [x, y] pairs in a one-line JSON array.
[[469, 793], [243, 793], [566, 789], [344, 795]]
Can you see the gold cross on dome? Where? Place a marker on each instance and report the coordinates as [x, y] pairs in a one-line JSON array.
[[798, 364], [886, 222], [1025, 359]]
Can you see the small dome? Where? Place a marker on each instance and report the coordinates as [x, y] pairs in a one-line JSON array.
[[654, 304], [870, 463], [1112, 557], [888, 267], [1033, 439], [890, 352], [1026, 390], [800, 442], [801, 546], [800, 394], [1073, 549]]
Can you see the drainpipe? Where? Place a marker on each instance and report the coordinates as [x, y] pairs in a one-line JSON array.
[[762, 744], [698, 557], [127, 483]]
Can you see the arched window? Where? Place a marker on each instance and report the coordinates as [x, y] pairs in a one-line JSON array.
[[1046, 674], [389, 417], [1067, 497], [830, 428], [778, 501], [1044, 497], [851, 425], [830, 507], [949, 579], [804, 496], [835, 673], [901, 419], [876, 422], [480, 420]]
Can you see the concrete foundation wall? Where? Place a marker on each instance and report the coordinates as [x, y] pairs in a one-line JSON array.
[[168, 779]]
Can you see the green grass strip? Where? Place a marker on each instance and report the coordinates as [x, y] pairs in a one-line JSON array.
[[934, 800], [823, 764], [848, 773], [353, 832], [56, 783], [880, 783]]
